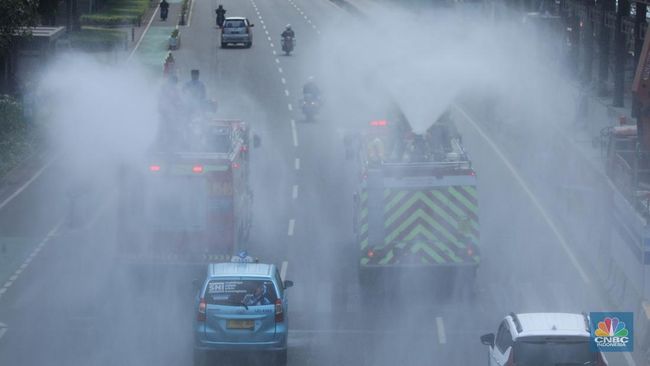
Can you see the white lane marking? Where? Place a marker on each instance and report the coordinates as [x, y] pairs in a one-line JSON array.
[[286, 92], [274, 53], [3, 329], [277, 60], [290, 106], [306, 17], [531, 196], [267, 33], [317, 31], [24, 186], [31, 256], [294, 133], [283, 80], [294, 193], [261, 21], [297, 164], [269, 38], [292, 224], [141, 37], [272, 45], [283, 270], [442, 337], [629, 359], [189, 18], [280, 70], [309, 21]]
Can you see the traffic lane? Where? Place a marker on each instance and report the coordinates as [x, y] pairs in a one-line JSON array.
[[75, 305], [41, 203], [246, 86]]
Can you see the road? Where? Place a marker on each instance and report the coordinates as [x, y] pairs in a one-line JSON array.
[[70, 304]]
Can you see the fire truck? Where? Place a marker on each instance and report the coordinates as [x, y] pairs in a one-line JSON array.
[[188, 201], [416, 201]]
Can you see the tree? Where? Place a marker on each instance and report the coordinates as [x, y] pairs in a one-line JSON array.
[[14, 16], [47, 10]]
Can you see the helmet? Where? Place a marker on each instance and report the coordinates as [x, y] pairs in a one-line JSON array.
[[288, 26]]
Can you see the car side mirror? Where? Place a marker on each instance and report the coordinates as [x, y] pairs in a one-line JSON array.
[[288, 284], [252, 25], [488, 339], [257, 141]]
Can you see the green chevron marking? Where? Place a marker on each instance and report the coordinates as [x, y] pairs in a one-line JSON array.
[[464, 200], [363, 213], [399, 212], [425, 248], [364, 243], [396, 199]]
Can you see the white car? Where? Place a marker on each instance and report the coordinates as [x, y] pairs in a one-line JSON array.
[[542, 339]]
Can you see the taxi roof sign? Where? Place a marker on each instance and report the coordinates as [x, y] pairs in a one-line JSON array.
[[243, 257]]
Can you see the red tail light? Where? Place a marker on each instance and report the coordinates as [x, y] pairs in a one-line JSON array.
[[201, 314], [235, 165], [470, 251], [197, 169], [244, 148], [279, 313], [154, 168], [371, 253], [379, 123]]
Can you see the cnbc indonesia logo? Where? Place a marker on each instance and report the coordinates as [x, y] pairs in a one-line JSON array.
[[611, 333]]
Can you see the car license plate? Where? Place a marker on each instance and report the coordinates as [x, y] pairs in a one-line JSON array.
[[241, 324]]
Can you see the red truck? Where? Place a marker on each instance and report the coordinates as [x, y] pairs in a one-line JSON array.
[[188, 201]]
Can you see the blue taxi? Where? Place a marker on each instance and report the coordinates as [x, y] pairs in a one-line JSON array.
[[241, 306]]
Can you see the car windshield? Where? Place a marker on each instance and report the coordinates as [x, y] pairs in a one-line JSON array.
[[235, 24], [237, 292], [553, 352]]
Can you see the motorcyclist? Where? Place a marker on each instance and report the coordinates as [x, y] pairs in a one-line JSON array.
[[288, 32], [164, 9], [221, 15], [311, 89]]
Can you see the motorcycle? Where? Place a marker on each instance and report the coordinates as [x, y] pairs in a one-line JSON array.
[[163, 13], [220, 19], [310, 106], [287, 45]]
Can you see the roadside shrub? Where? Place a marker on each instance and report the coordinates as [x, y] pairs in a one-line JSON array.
[[15, 134], [97, 39], [109, 20]]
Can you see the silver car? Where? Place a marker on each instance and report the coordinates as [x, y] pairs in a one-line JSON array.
[[237, 30]]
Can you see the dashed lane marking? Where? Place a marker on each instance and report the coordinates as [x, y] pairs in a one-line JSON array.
[[286, 92], [294, 193], [3, 329], [283, 270], [297, 164], [283, 80], [274, 53], [272, 45], [269, 38], [292, 224], [290, 106], [31, 256], [442, 337], [277, 60], [294, 133], [280, 70], [547, 218]]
